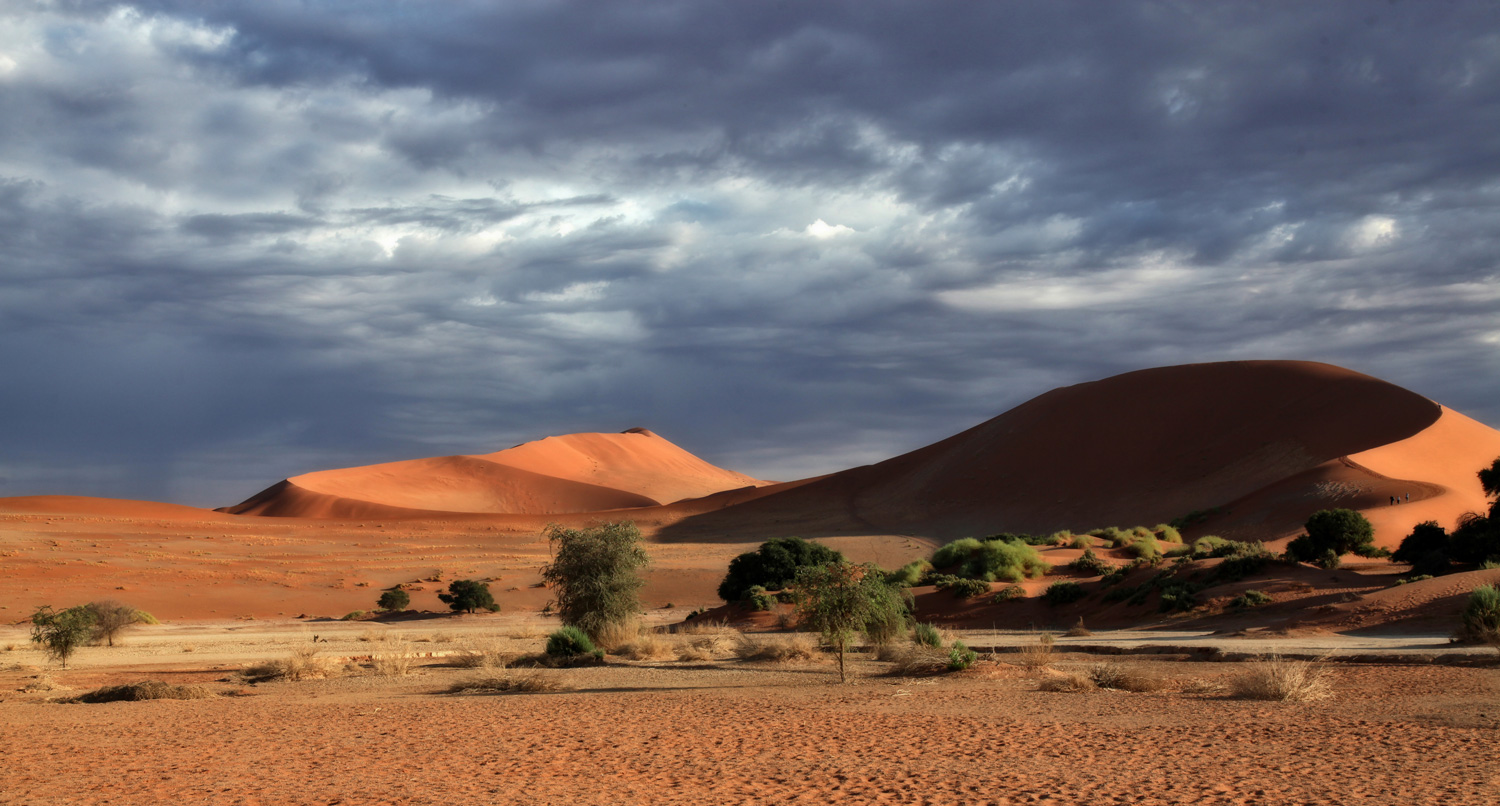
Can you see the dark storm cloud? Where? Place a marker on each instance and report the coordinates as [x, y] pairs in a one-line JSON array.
[[248, 239]]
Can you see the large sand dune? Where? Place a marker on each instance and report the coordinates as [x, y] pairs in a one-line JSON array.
[[1266, 442], [566, 474]]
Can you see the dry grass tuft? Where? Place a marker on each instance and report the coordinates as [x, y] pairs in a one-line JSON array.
[[1200, 685], [647, 646], [145, 690], [1079, 630], [394, 664], [480, 656], [1066, 681], [1038, 653], [704, 627], [913, 660], [797, 646], [706, 648], [1121, 677], [509, 682], [1282, 679], [43, 682], [303, 664], [614, 636]]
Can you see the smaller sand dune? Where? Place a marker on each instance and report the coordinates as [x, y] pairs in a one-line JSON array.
[[103, 507]]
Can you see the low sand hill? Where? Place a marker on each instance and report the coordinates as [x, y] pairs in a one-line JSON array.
[[566, 474], [1152, 445]]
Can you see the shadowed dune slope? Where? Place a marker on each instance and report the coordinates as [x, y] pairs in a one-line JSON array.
[[1142, 447], [567, 474], [104, 508]]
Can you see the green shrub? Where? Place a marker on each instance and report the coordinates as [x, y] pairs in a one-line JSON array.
[[569, 642], [468, 596], [1206, 545], [1080, 542], [1178, 595], [1009, 593], [1245, 559], [990, 560], [926, 635], [354, 615], [909, 575], [394, 600], [960, 657], [1167, 532], [595, 575], [1251, 598], [1331, 533], [1144, 548], [758, 599], [962, 588], [773, 566], [1063, 592], [1425, 538], [1417, 578], [1481, 617], [1089, 564]]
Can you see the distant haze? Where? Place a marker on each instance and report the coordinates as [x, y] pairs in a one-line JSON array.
[[241, 241]]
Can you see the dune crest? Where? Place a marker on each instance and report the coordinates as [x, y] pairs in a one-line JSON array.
[[556, 475]]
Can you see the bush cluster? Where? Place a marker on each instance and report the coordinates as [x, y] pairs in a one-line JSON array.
[[773, 566], [1430, 549], [1331, 533], [1063, 592], [1009, 559], [1089, 564], [961, 587]]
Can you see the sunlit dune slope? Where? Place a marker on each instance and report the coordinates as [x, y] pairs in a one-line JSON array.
[[566, 474], [1145, 447]]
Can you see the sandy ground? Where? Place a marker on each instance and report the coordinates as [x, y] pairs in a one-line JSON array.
[[727, 731]]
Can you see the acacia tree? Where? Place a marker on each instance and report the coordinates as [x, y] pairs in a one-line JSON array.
[[468, 595], [773, 566], [395, 599], [841, 600], [112, 617], [60, 633], [595, 574]]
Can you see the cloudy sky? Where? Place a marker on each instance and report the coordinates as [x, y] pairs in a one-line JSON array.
[[244, 239]]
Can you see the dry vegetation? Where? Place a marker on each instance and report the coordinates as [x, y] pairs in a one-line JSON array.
[[508, 682], [1283, 679], [302, 664], [778, 648], [144, 690]]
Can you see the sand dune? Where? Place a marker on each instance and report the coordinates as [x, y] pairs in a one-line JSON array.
[[567, 474], [1150, 446]]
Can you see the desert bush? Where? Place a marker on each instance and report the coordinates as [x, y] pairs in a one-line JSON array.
[[1121, 677], [1037, 653], [1178, 595], [913, 660], [617, 634], [112, 618], [1480, 620], [960, 657], [144, 690], [61, 633], [1090, 565], [1240, 560], [1079, 630], [570, 641], [926, 635], [1009, 593], [595, 574], [302, 664], [1331, 533], [1167, 532], [1144, 547], [393, 664], [1250, 598], [705, 627], [841, 600], [1417, 578], [773, 566], [479, 655], [909, 575], [509, 682], [354, 615], [1206, 545], [777, 648], [1080, 542], [393, 600], [990, 560], [707, 648], [961, 588], [469, 596], [1063, 592], [758, 599], [647, 646], [1067, 681], [1283, 679]]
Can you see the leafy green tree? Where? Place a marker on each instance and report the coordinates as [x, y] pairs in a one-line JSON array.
[[773, 566], [60, 634], [468, 595], [397, 599], [1425, 549], [841, 600], [595, 575], [1332, 533]]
